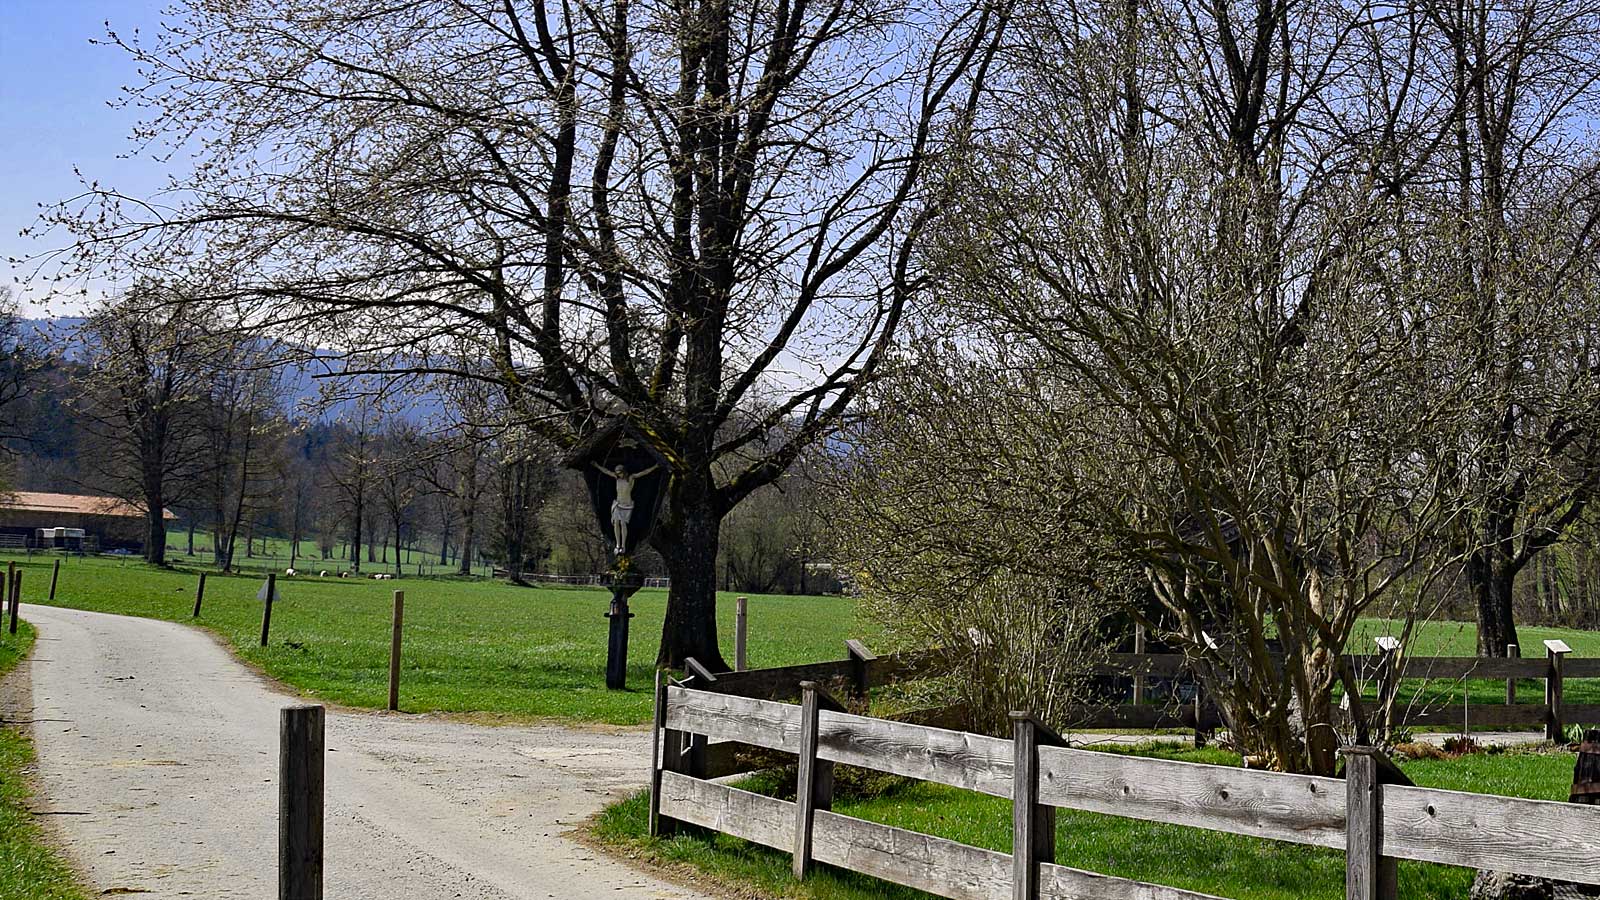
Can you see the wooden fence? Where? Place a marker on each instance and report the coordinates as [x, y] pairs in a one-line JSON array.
[[1373, 814], [861, 670]]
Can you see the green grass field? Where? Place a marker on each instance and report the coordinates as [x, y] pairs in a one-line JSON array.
[[478, 646], [273, 554], [471, 645], [1211, 862], [29, 868]]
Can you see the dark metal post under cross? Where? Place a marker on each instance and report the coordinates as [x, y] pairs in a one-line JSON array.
[[622, 587]]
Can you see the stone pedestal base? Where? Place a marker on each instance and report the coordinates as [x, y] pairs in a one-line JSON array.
[[1506, 886]]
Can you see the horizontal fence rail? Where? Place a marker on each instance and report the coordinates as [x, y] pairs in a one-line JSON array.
[[861, 671], [1373, 817]]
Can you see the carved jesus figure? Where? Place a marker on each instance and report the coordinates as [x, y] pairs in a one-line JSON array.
[[622, 507]]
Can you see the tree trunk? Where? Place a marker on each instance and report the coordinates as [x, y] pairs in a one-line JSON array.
[[690, 551], [1491, 581], [155, 542], [355, 537], [191, 535], [470, 515]]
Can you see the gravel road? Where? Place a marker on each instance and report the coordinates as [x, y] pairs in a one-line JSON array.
[[158, 767]]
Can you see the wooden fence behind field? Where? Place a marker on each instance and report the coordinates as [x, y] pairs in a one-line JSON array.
[[1373, 814], [861, 670]]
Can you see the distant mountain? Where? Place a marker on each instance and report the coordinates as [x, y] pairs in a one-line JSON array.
[[303, 392]]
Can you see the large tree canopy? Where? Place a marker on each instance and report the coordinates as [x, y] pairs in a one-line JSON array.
[[1191, 252], [677, 212]]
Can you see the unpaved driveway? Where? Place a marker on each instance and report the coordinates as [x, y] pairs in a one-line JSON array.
[[158, 763]]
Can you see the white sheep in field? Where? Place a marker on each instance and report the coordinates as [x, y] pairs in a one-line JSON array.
[[323, 574], [290, 572], [344, 574]]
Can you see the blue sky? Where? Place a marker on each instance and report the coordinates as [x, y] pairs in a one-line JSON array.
[[54, 87]]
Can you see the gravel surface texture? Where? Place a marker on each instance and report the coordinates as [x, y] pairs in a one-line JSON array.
[[158, 756]]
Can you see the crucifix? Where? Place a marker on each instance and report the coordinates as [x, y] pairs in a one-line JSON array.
[[628, 480]]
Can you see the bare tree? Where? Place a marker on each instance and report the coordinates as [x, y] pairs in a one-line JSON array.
[[1188, 242], [399, 480], [16, 363], [350, 470], [242, 434], [462, 468], [951, 506], [666, 211], [150, 369], [1516, 195], [523, 477]]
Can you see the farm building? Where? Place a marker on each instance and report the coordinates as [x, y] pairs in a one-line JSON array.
[[28, 518]]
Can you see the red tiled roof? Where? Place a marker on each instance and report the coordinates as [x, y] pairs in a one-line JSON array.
[[80, 504]]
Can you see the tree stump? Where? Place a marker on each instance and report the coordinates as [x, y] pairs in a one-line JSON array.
[[1586, 772], [1585, 789]]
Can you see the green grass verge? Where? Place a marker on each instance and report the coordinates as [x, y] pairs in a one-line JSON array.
[[29, 869], [471, 645], [1211, 862]]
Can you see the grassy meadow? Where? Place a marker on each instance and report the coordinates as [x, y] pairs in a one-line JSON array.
[[29, 868], [474, 645], [273, 554], [471, 645]]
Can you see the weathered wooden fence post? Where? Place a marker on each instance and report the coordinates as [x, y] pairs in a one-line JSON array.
[[16, 601], [694, 753], [1388, 681], [394, 650], [1369, 875], [664, 753], [814, 786], [741, 633], [1033, 824], [271, 591], [55, 574], [860, 662], [1553, 726], [199, 596], [1138, 665], [1512, 652], [300, 770]]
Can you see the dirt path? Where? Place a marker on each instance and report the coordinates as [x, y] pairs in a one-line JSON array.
[[158, 759]]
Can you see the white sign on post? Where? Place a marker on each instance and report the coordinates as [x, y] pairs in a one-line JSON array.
[[1557, 647]]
